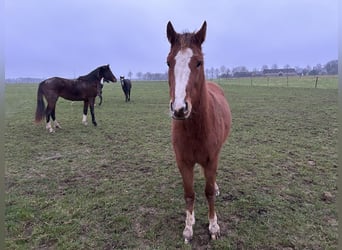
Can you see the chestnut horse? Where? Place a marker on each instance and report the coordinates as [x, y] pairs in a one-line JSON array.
[[84, 88], [201, 121]]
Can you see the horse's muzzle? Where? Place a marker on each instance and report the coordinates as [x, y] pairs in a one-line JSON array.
[[181, 113]]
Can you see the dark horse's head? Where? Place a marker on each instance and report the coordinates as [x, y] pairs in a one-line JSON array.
[[105, 73]]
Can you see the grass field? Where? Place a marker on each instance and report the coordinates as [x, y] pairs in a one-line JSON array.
[[116, 186]]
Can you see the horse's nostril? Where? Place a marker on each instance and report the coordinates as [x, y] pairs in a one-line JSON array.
[[186, 107], [171, 106]]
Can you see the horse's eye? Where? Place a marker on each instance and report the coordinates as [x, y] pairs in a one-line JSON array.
[[199, 63], [168, 63]]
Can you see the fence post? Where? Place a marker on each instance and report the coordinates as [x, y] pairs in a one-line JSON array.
[[316, 82]]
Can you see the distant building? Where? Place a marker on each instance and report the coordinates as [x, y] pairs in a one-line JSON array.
[[280, 72], [242, 74]]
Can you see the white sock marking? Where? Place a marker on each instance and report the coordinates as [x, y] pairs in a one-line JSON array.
[[189, 222], [84, 119], [182, 73], [214, 228], [49, 127]]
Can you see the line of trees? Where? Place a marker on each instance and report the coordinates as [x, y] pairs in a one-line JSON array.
[[330, 68]]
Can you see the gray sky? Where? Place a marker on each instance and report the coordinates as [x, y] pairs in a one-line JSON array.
[[69, 38]]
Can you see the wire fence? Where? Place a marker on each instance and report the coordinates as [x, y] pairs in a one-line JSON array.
[[323, 82]]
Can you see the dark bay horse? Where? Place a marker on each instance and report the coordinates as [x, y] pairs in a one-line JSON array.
[[201, 121], [84, 88], [126, 87]]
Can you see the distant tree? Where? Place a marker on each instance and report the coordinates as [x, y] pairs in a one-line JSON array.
[[139, 75], [332, 67], [130, 74], [223, 70], [264, 67], [212, 70], [217, 73], [274, 66]]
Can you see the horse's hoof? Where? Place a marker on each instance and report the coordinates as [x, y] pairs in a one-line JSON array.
[[215, 236], [85, 123], [187, 241], [95, 124]]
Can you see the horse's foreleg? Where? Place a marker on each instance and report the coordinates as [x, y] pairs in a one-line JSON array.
[[92, 102], [189, 196], [85, 112], [211, 190]]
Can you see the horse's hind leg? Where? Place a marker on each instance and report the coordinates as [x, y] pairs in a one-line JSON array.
[[49, 110], [92, 102], [53, 116], [85, 112], [211, 190], [100, 96]]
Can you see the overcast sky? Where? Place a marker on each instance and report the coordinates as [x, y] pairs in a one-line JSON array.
[[69, 38]]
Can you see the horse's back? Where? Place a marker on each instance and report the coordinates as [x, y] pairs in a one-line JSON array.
[[219, 108], [128, 83]]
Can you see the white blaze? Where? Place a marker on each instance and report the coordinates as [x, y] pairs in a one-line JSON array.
[[182, 73]]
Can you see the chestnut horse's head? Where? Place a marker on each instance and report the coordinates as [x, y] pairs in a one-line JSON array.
[[186, 70]]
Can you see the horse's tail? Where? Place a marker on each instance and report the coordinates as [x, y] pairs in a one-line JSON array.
[[40, 110]]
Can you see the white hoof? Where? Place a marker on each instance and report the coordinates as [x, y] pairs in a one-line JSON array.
[[187, 234], [49, 127], [57, 125], [214, 228], [189, 222], [187, 241]]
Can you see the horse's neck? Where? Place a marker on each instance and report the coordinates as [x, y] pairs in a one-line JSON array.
[[200, 109]]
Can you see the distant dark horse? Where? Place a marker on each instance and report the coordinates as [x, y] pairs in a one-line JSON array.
[[84, 88], [126, 87]]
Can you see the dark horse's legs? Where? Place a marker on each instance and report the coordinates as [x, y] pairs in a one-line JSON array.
[[50, 112], [90, 103], [100, 96]]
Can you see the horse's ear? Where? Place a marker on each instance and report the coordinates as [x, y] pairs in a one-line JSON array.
[[171, 33], [200, 35]]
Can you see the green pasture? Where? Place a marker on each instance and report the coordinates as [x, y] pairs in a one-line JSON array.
[[116, 186]]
